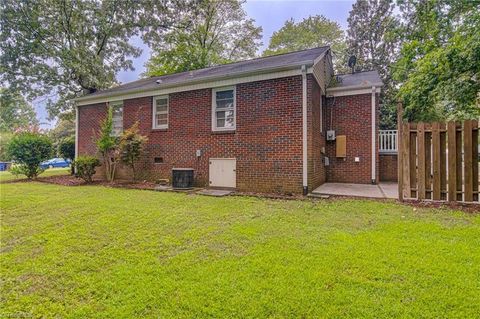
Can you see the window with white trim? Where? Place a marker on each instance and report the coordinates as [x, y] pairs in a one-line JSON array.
[[223, 109], [117, 117], [160, 112]]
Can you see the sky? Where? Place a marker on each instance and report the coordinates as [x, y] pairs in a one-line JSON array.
[[269, 14]]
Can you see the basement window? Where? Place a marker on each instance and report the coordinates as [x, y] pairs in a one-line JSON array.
[[223, 109]]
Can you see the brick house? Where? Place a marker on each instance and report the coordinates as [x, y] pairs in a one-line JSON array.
[[279, 124]]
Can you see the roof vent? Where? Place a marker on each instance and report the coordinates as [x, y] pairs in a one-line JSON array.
[[159, 81], [191, 73]]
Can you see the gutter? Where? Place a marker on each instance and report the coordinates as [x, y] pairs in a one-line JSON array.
[[354, 87], [374, 136], [101, 95]]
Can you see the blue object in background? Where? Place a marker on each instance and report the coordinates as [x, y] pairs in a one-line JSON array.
[[4, 166], [55, 162]]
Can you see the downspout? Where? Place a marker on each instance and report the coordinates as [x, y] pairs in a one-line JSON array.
[[374, 136], [304, 130], [76, 133]]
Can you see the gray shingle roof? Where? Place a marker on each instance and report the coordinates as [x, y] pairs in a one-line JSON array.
[[367, 78], [263, 64]]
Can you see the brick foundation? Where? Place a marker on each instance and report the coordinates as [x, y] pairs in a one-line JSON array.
[[388, 168]]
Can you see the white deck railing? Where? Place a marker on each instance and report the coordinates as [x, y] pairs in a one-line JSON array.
[[388, 141]]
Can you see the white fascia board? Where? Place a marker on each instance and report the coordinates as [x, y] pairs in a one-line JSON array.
[[258, 75], [353, 90]]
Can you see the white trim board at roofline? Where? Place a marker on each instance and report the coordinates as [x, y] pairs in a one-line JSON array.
[[353, 90], [196, 86]]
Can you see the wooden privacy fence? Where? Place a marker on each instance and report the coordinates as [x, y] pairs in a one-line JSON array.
[[438, 161]]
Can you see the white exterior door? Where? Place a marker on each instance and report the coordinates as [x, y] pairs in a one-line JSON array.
[[222, 172]]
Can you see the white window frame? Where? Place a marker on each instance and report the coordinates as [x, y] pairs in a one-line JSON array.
[[113, 105], [154, 112], [214, 106]]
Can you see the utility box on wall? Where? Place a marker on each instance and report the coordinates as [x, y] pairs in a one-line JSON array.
[[341, 146]]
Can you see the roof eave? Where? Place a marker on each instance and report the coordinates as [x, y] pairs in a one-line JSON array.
[[307, 63], [354, 87]]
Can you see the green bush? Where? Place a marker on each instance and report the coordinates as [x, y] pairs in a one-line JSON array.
[[28, 150], [85, 166], [17, 170]]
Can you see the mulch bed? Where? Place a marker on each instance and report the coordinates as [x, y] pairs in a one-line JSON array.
[[69, 180]]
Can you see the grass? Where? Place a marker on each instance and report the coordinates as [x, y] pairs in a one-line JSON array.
[[98, 252], [6, 176]]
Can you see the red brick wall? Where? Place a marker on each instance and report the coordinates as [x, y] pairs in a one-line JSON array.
[[388, 168], [89, 118], [351, 117], [267, 143], [316, 137]]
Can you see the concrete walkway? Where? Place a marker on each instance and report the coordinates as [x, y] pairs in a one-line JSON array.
[[382, 190]]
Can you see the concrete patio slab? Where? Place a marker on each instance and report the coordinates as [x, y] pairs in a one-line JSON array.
[[358, 190], [390, 190], [215, 192]]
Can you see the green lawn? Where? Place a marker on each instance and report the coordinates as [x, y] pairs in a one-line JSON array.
[[6, 176], [98, 252]]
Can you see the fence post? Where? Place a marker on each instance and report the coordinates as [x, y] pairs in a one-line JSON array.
[[476, 190], [421, 161], [436, 161], [468, 157], [452, 161], [400, 150]]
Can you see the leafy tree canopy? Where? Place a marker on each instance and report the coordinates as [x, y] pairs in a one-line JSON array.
[[213, 32], [439, 68], [314, 31], [372, 38], [61, 49], [64, 129], [15, 111]]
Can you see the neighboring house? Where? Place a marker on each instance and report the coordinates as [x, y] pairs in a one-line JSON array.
[[257, 126]]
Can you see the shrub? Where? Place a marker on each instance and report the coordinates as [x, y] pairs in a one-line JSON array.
[[17, 170], [107, 145], [28, 150], [131, 146], [85, 166]]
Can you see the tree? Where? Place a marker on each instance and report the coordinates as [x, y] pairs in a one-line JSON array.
[[107, 145], [66, 149], [131, 146], [15, 111], [371, 37], [314, 31], [438, 67], [62, 49], [216, 32], [64, 129], [29, 150], [5, 138]]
